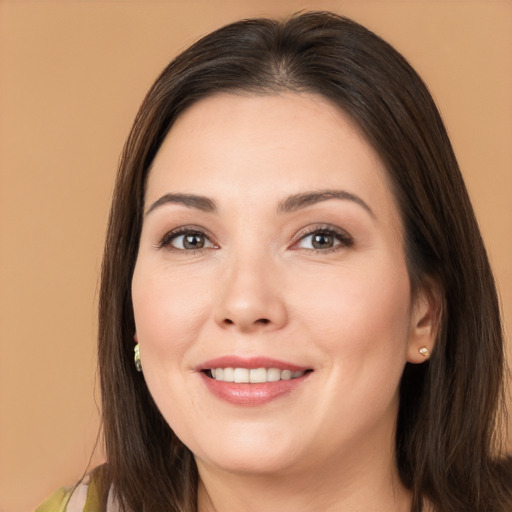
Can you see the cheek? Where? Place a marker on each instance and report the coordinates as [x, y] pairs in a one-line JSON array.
[[168, 318], [167, 312], [356, 315]]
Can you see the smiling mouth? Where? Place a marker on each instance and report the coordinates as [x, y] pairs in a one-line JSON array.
[[253, 375]]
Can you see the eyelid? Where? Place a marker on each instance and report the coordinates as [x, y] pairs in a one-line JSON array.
[[341, 235], [169, 236]]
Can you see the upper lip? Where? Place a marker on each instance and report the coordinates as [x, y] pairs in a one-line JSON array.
[[250, 363]]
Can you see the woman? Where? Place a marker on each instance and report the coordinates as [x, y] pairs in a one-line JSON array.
[[293, 260]]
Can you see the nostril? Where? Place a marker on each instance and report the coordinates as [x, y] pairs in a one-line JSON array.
[[262, 321]]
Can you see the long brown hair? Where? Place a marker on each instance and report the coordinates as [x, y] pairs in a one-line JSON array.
[[445, 447]]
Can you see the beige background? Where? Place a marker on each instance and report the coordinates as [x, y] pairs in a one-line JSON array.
[[72, 75]]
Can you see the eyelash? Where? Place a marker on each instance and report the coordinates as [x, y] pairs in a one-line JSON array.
[[183, 231], [344, 239]]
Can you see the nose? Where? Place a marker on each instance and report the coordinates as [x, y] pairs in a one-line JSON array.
[[251, 298]]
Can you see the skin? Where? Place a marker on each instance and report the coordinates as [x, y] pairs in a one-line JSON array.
[[259, 286]]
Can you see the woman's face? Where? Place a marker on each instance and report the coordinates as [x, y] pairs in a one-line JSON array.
[[272, 251]]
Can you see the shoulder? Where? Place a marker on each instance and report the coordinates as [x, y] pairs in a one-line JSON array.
[[86, 496], [56, 502]]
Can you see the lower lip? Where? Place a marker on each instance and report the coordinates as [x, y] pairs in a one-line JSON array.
[[251, 395]]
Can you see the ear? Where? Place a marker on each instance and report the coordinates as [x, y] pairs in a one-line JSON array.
[[136, 338], [425, 323]]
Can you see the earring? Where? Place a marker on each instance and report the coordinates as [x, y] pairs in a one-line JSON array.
[[424, 351], [136, 358]]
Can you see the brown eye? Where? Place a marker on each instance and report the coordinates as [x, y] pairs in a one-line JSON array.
[[187, 241], [195, 241], [322, 241], [325, 240]]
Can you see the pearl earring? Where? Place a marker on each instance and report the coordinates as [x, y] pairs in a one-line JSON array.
[[424, 351]]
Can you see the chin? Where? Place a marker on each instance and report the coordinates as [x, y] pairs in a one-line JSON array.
[[246, 455], [261, 464]]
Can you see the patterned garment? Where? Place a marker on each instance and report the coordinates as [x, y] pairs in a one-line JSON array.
[[82, 498]]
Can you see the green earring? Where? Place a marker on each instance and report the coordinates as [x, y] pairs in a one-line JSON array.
[[136, 358]]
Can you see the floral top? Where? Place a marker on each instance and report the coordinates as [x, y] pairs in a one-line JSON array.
[[84, 497]]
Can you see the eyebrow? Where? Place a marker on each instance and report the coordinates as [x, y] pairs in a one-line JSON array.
[[289, 205], [202, 203], [303, 200]]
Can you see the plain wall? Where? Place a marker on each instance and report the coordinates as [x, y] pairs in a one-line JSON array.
[[72, 75]]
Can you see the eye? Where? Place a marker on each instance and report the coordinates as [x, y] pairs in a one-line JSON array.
[[186, 240], [324, 239]]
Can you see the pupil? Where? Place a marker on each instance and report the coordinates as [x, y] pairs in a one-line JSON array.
[[321, 241], [193, 242]]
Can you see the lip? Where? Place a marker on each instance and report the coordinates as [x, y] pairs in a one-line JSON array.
[[251, 395], [250, 363]]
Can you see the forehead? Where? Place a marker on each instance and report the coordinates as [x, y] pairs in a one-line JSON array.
[[268, 146]]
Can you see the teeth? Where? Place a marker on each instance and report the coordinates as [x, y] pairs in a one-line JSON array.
[[229, 375], [256, 375], [273, 374], [241, 375], [286, 375]]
